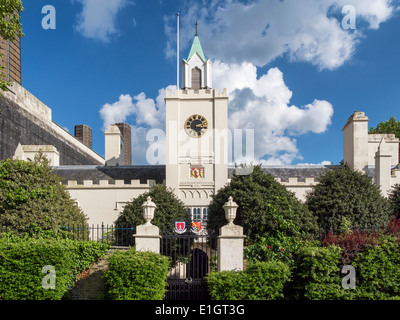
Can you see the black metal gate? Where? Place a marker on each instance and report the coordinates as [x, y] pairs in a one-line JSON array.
[[193, 257]]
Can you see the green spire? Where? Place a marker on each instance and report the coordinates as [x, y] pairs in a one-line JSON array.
[[196, 47]]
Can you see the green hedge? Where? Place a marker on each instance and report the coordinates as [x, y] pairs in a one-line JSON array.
[[22, 261], [378, 272], [136, 275], [260, 281], [317, 275]]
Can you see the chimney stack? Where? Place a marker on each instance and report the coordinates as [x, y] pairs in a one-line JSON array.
[[84, 134]]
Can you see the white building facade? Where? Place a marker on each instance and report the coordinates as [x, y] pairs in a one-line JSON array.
[[197, 154]]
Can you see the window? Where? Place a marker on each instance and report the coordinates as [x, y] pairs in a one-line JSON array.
[[205, 215], [198, 214], [196, 78]]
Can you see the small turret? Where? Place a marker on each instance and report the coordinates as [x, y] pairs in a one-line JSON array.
[[196, 70]]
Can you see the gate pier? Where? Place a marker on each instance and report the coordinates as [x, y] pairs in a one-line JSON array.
[[230, 241], [193, 255]]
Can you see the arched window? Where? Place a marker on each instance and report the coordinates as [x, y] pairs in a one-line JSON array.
[[196, 78]]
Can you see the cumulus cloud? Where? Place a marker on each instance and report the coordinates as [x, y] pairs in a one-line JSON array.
[[260, 31], [98, 18], [117, 111], [263, 104], [143, 114]]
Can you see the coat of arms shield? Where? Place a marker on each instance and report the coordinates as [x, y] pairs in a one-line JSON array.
[[180, 227], [197, 226]]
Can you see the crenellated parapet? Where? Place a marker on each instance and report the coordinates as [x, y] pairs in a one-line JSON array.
[[106, 184], [296, 182], [196, 94], [395, 179]]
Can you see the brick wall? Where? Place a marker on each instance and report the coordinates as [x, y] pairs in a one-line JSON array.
[[11, 59]]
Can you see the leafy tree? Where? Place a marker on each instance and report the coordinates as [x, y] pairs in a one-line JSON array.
[[10, 28], [169, 209], [347, 198], [394, 199], [31, 194], [391, 126], [259, 197]]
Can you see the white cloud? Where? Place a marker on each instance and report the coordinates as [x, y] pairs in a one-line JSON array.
[[259, 103], [118, 111], [263, 104], [143, 114], [98, 18], [322, 163], [260, 31]]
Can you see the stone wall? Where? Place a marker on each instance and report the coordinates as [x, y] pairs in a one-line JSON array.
[[91, 285], [17, 125]]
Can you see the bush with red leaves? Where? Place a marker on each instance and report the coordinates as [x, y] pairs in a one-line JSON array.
[[352, 243], [358, 241]]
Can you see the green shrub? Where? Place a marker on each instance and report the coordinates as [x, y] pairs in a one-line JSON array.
[[378, 272], [31, 193], [22, 261], [394, 199], [317, 273], [136, 275], [169, 209], [347, 198], [259, 197], [273, 248], [279, 244], [260, 281]]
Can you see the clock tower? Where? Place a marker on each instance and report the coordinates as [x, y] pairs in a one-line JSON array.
[[196, 135]]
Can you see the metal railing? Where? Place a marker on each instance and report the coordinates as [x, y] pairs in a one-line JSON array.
[[115, 235]]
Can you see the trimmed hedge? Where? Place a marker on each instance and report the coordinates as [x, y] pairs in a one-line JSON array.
[[378, 272], [260, 281], [137, 275], [318, 272], [22, 261]]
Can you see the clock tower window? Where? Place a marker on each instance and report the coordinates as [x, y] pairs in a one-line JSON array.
[[196, 78]]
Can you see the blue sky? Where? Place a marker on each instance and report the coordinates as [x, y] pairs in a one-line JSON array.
[[293, 73]]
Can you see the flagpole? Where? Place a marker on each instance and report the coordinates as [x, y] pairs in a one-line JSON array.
[[177, 56]]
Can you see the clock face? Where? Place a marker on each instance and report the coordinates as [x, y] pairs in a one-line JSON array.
[[196, 126]]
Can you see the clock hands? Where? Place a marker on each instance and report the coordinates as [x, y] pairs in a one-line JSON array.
[[196, 125], [201, 125]]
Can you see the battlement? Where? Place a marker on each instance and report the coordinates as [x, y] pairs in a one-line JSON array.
[[294, 181], [196, 94], [377, 138], [395, 179], [118, 184]]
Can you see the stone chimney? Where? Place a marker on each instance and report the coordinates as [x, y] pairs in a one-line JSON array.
[[84, 134], [126, 133], [114, 147], [355, 141]]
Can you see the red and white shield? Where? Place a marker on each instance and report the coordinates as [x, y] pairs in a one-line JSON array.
[[180, 227]]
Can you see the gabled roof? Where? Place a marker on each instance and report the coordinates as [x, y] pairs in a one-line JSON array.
[[196, 48]]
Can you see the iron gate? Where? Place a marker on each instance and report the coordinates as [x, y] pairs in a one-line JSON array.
[[193, 257]]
